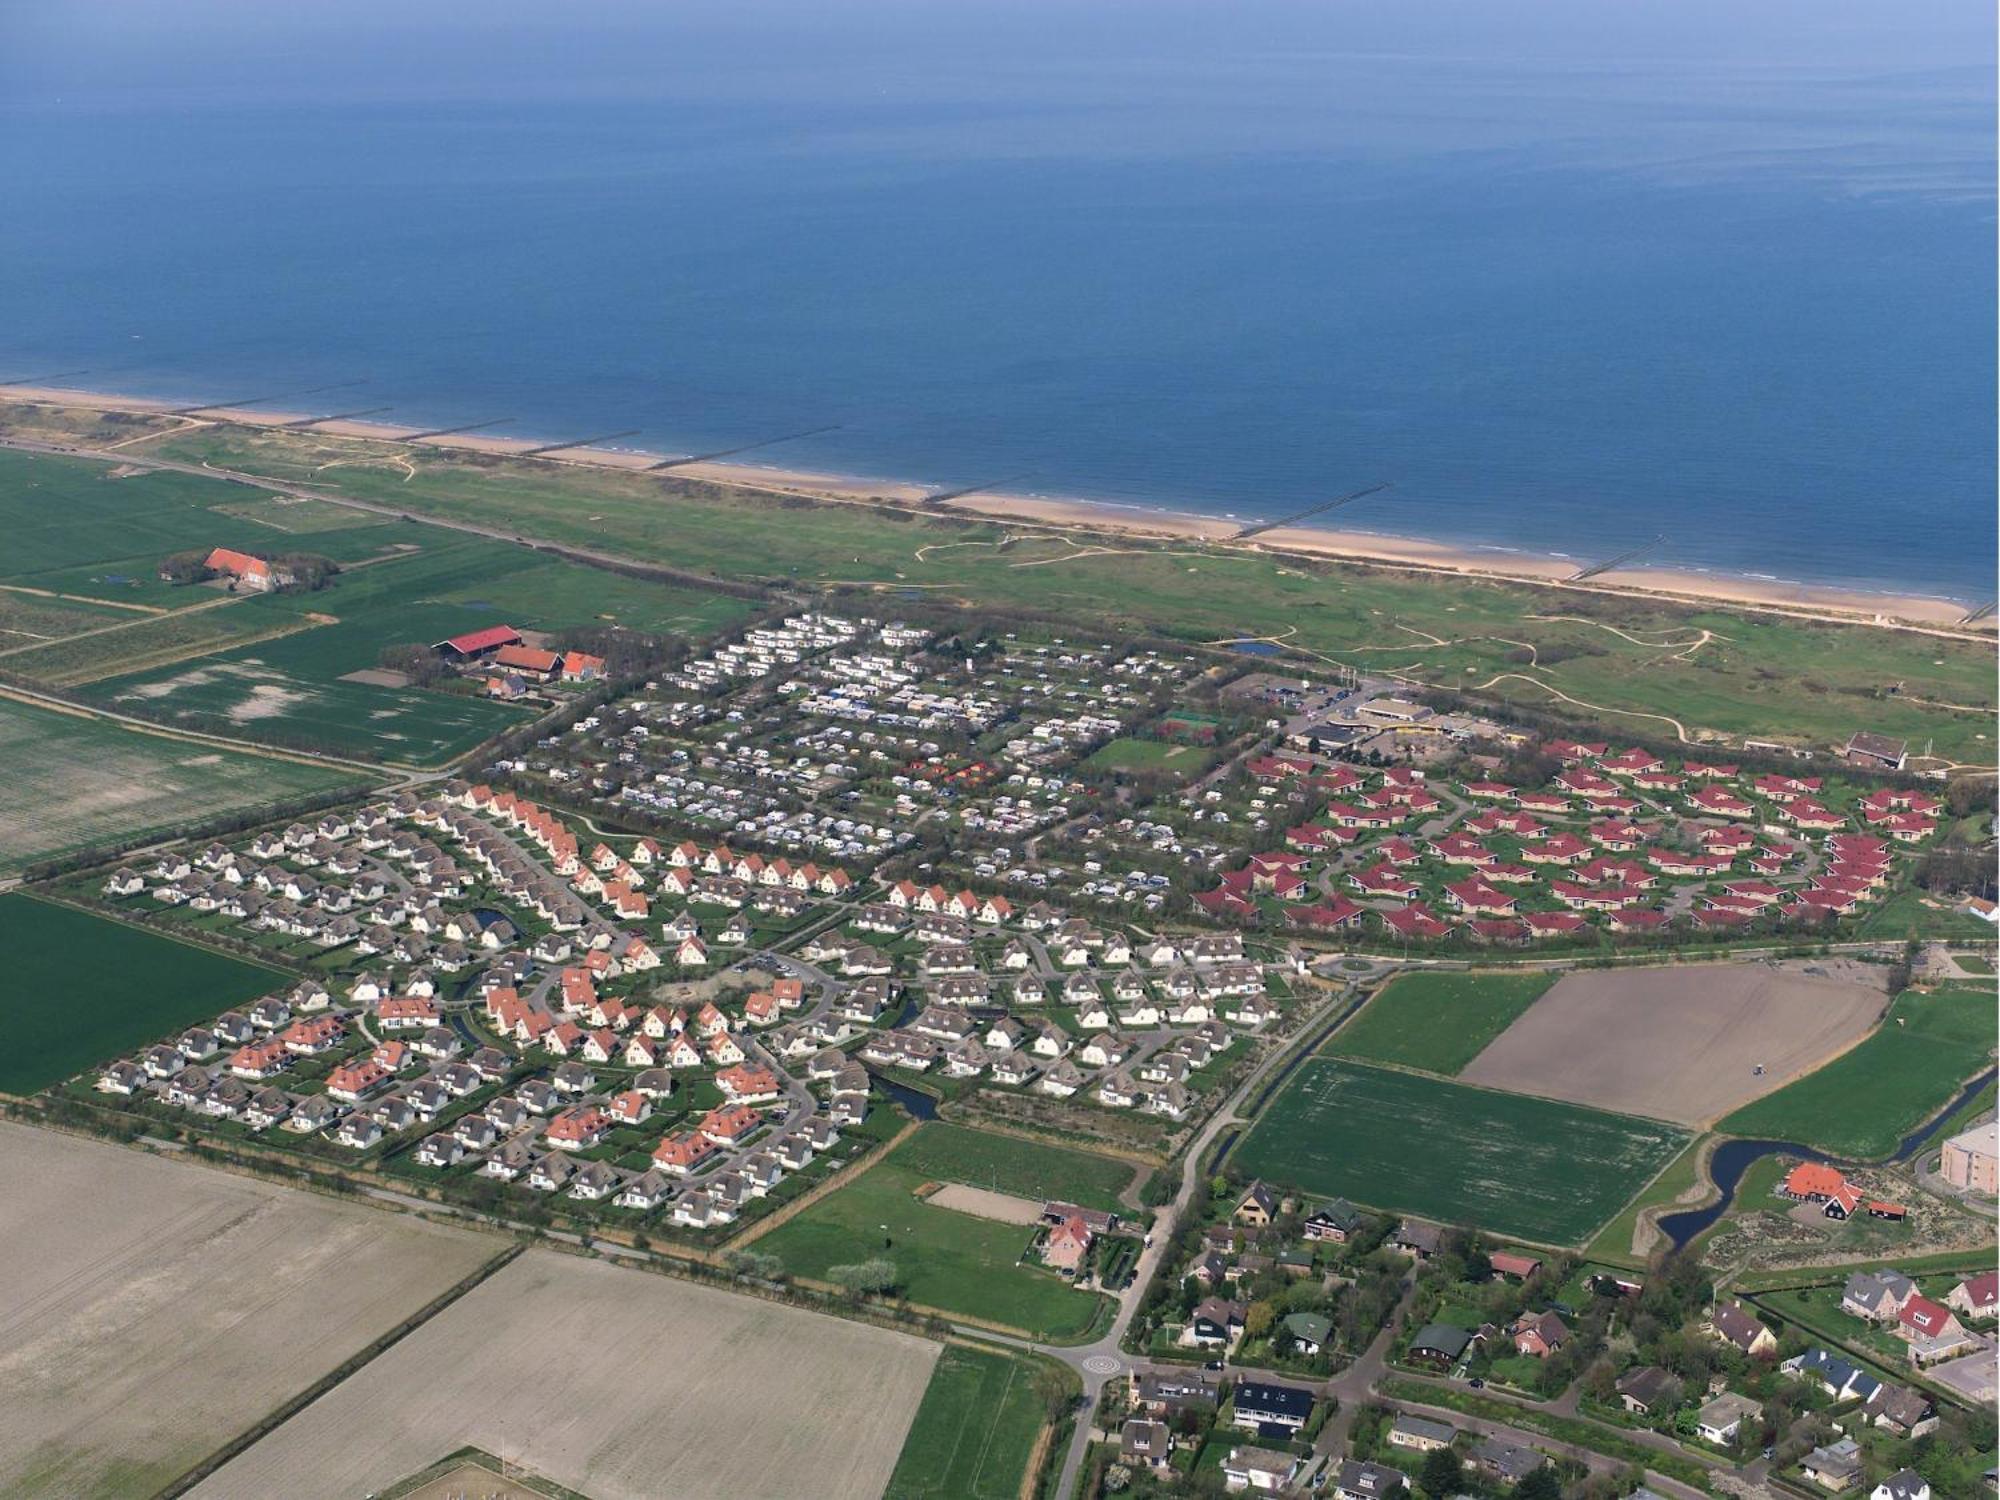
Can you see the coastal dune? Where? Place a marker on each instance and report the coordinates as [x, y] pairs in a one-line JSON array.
[[1138, 524]]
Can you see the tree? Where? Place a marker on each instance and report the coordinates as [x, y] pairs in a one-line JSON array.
[[1441, 1475], [185, 567], [1258, 1319], [1543, 1484], [863, 1277]]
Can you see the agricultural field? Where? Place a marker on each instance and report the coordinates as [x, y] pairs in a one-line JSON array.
[[1009, 1164], [135, 643], [974, 1430], [962, 1265], [1865, 1101], [73, 782], [297, 687], [1703, 669], [152, 1307], [1537, 1169], [1684, 1042], [81, 989], [1437, 1022], [84, 527], [29, 620], [692, 1393]]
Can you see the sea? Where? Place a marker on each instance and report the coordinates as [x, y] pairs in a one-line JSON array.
[[1570, 278]]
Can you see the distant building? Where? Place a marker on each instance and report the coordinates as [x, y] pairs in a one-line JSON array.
[[251, 572], [1877, 751], [1972, 1160]]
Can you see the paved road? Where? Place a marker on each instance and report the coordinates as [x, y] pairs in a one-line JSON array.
[[1098, 1364]]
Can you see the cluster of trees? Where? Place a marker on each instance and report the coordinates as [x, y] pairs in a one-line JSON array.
[[418, 662], [877, 1277], [626, 653], [309, 571]]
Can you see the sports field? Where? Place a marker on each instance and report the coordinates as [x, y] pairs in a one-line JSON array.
[[82, 989], [974, 1430], [1536, 1169], [1009, 1164], [1864, 1102], [615, 1383], [152, 1308], [1151, 756], [1437, 1022], [957, 1263], [73, 782]]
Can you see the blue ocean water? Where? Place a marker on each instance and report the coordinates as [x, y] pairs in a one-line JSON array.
[[1570, 275]]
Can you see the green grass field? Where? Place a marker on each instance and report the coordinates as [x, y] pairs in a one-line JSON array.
[[1614, 1242], [1151, 755], [973, 1432], [1008, 1164], [1437, 1022], [83, 989], [272, 668], [73, 782], [954, 1262], [1866, 1100], [1545, 1171], [1755, 672]]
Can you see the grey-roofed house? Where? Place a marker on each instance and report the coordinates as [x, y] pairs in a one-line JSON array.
[[1420, 1434], [1439, 1344], [1645, 1388], [1722, 1419], [1357, 1480]]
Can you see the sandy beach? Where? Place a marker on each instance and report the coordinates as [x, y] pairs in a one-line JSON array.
[[1683, 584]]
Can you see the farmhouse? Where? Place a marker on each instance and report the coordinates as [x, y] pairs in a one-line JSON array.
[[253, 573], [478, 645]]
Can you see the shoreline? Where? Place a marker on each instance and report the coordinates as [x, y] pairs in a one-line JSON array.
[[1115, 520]]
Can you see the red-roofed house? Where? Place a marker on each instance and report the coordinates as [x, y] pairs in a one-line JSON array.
[[529, 661], [252, 572]]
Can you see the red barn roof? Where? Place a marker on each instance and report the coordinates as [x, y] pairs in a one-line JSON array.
[[474, 641]]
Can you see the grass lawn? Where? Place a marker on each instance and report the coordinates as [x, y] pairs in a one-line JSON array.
[[1817, 1310], [1972, 963], [73, 782], [1545, 1171], [973, 1432], [1866, 1100], [1151, 755], [951, 1261], [1437, 1022], [1008, 1164], [82, 989], [1614, 1244]]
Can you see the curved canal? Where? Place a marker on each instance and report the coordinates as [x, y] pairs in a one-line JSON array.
[[1733, 1158]]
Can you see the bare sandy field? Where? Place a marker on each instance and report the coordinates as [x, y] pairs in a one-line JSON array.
[[615, 1382], [982, 1203], [1681, 1043], [154, 1309]]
